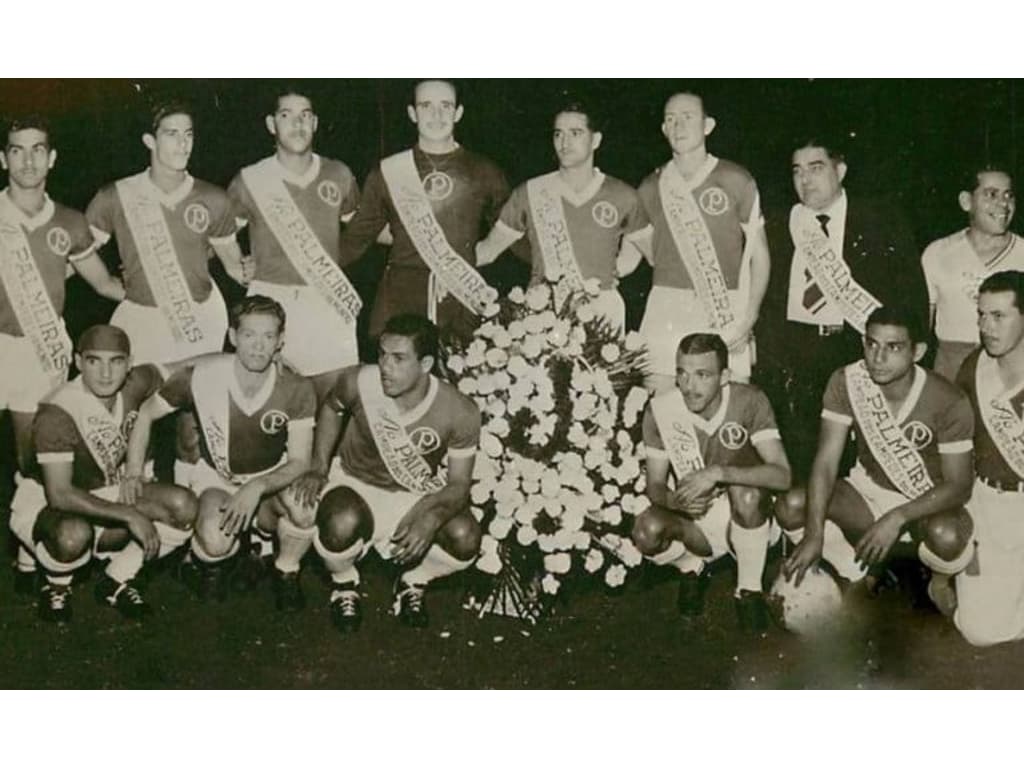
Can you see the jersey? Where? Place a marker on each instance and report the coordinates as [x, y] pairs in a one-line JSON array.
[[935, 419], [988, 461], [729, 438], [56, 236], [198, 215], [728, 201], [57, 439], [596, 218], [446, 424], [325, 194]]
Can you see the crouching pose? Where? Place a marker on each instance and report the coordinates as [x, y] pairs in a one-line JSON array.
[[386, 485], [720, 443], [79, 511]]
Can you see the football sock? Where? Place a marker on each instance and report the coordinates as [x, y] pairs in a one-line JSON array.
[[294, 543], [680, 558], [751, 547], [204, 557], [263, 540], [56, 568], [435, 564], [170, 537], [945, 567], [26, 563], [841, 554], [126, 563], [341, 565]]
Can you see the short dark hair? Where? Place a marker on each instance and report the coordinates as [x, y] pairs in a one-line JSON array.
[[971, 176], [900, 316], [291, 89], [833, 149], [418, 329], [256, 305], [165, 108], [1010, 281], [701, 343], [26, 122], [415, 87], [594, 121]]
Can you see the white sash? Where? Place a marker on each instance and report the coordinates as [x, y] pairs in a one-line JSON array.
[[830, 272], [407, 467], [298, 240], [1002, 422], [38, 318], [546, 209], [696, 248], [456, 275], [159, 259], [99, 428], [211, 393], [678, 432], [894, 453]]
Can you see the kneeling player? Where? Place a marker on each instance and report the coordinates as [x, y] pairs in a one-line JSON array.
[[256, 429], [386, 486], [723, 448], [913, 472], [79, 510]]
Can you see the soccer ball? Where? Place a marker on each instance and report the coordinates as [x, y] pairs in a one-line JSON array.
[[812, 607]]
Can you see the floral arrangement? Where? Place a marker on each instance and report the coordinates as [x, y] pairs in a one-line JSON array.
[[558, 477]]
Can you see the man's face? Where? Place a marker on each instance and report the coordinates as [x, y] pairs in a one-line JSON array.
[[817, 178], [257, 340], [171, 146], [992, 203], [435, 112], [685, 125], [400, 369], [293, 124], [1000, 323], [700, 380], [889, 353], [27, 158], [103, 372], [573, 140]]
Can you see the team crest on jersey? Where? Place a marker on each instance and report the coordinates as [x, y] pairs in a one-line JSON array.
[[197, 218], [329, 192], [732, 435], [713, 201], [605, 214], [273, 422], [438, 185], [424, 440], [918, 435], [59, 241]]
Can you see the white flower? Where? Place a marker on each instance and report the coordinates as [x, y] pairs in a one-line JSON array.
[[557, 338], [517, 366], [610, 492], [547, 319], [552, 273], [496, 408], [546, 542], [605, 420], [516, 295], [490, 445], [612, 514], [456, 364], [484, 385], [571, 523], [537, 297], [531, 347], [582, 380], [553, 507], [580, 540], [585, 313], [629, 554], [578, 436], [502, 380], [498, 426], [594, 561], [610, 352], [615, 576], [560, 562], [467, 385], [489, 564], [526, 535], [497, 358], [603, 385], [633, 341], [550, 584], [479, 494], [491, 309], [592, 286], [516, 329], [500, 527]]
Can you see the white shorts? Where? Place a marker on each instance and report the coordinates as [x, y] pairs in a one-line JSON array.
[[23, 383], [316, 339], [152, 340], [673, 313], [879, 500], [990, 603], [30, 500]]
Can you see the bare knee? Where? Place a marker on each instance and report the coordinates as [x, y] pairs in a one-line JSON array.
[[747, 505], [343, 518], [69, 539], [791, 509], [208, 533], [460, 538], [182, 507], [648, 532], [948, 533]]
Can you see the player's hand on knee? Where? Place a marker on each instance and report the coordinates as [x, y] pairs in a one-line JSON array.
[[877, 540], [805, 556], [145, 533], [131, 490], [697, 485], [239, 509], [306, 488], [413, 535]]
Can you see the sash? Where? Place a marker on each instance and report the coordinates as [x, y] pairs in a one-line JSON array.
[[553, 234], [99, 428], [211, 393], [407, 467], [678, 433], [298, 240], [1002, 422], [455, 274], [831, 273], [895, 455], [38, 317], [696, 249], [159, 259]]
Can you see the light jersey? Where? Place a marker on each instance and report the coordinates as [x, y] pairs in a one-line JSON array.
[[325, 194], [56, 236], [730, 437], [197, 213], [954, 273], [445, 424], [988, 461], [258, 428], [597, 218], [935, 419], [56, 438], [728, 200]]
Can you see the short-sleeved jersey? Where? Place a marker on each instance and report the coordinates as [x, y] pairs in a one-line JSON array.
[[325, 194], [988, 461], [954, 273], [729, 438], [198, 215], [258, 427], [56, 236], [446, 423], [57, 439], [935, 418], [597, 219], [728, 201]]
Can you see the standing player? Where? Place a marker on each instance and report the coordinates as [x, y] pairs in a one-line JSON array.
[[387, 485], [706, 243], [913, 472], [575, 217], [719, 442], [437, 198], [78, 511], [256, 427], [954, 266], [293, 203]]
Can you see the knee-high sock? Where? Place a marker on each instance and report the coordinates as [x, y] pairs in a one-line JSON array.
[[26, 562], [126, 562], [679, 557], [294, 542], [170, 537], [341, 565], [836, 550], [435, 564], [56, 571], [946, 567], [264, 540], [751, 546]]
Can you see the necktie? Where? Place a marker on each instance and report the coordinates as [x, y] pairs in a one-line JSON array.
[[813, 299]]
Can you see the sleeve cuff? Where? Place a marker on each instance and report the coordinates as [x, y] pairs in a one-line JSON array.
[[765, 434], [839, 418], [55, 458], [82, 255], [655, 453], [99, 235], [959, 446], [223, 240], [301, 423], [462, 453]]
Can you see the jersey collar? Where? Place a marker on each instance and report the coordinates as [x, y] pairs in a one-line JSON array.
[[249, 405], [586, 194], [12, 213], [709, 426], [698, 178], [172, 198], [417, 413], [301, 180], [913, 396]]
